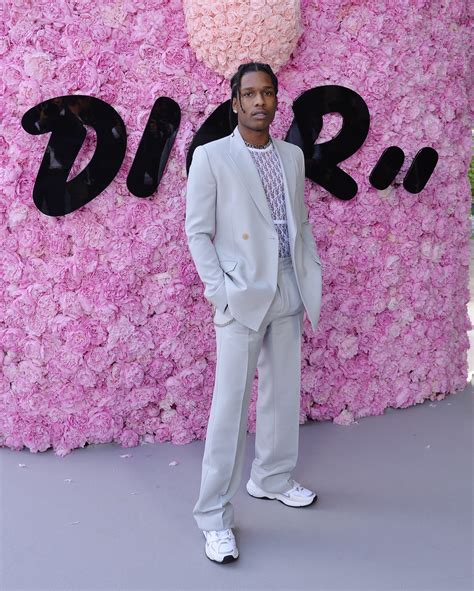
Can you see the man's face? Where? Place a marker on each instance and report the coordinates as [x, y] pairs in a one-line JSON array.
[[259, 101]]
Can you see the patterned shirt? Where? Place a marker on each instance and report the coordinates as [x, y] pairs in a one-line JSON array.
[[269, 168]]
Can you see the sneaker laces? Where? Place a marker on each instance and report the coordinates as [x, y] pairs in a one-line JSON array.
[[221, 536], [296, 486]]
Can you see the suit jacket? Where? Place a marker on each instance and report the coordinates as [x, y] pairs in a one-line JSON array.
[[231, 235]]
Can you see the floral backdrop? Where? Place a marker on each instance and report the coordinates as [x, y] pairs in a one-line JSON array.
[[105, 334]]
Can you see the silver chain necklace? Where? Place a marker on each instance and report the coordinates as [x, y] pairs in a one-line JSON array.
[[249, 145]]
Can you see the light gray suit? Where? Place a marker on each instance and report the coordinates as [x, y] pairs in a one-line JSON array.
[[234, 245]]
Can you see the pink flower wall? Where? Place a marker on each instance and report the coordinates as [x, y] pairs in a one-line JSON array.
[[104, 332]]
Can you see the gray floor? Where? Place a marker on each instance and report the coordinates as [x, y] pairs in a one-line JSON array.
[[395, 512]]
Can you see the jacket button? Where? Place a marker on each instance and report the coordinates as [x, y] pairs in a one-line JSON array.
[[245, 236]]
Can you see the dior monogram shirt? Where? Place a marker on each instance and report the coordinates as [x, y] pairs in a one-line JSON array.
[[269, 168]]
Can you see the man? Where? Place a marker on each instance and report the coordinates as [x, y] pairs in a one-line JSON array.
[[250, 239]]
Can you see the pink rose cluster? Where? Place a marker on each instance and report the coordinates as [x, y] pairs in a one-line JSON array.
[[226, 33], [105, 335]]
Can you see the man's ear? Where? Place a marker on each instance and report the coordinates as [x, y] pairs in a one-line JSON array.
[[234, 104]]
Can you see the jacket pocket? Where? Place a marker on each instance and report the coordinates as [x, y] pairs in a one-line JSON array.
[[227, 266], [222, 318], [312, 253]]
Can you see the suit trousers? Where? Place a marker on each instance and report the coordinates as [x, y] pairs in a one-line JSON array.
[[275, 351]]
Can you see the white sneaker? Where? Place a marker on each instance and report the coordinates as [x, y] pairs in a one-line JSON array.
[[297, 496], [220, 545]]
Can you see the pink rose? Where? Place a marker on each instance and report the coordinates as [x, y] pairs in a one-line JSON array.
[[175, 61], [76, 337], [132, 375], [98, 359], [38, 65], [128, 438], [101, 426]]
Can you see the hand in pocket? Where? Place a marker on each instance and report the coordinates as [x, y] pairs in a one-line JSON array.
[[222, 318]]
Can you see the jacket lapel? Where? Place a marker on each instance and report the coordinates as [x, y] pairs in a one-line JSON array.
[[248, 173]]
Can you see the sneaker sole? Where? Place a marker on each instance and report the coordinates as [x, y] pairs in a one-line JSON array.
[[287, 502], [225, 560], [284, 500]]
